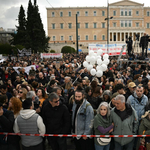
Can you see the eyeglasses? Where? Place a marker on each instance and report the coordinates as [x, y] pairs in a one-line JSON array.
[[56, 101], [20, 92]]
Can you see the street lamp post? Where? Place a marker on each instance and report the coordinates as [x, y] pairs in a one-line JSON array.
[[108, 18]]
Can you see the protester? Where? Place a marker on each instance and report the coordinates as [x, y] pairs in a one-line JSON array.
[[29, 122], [102, 126]]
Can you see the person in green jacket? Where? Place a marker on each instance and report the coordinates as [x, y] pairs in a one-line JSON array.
[[125, 121], [145, 127], [102, 125]]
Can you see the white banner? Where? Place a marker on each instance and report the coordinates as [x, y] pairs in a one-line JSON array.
[[27, 69], [51, 55], [24, 52], [112, 50]]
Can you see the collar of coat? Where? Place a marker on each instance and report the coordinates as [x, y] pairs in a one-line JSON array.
[[128, 112]]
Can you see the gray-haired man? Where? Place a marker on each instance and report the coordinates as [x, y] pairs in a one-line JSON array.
[[125, 122]]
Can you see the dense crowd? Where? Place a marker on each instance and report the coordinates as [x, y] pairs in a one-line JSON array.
[[60, 96]]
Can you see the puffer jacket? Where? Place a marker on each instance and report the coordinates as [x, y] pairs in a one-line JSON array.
[[137, 105], [127, 126]]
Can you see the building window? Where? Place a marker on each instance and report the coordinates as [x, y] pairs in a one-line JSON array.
[[147, 13], [95, 25], [78, 13], [53, 14], [130, 23], [61, 25], [86, 25], [86, 13], [103, 25], [114, 13], [70, 38], [94, 13], [126, 24], [61, 14], [122, 23], [86, 37], [78, 37], [103, 13], [137, 13], [54, 38], [78, 25], [69, 13], [114, 24], [69, 25], [130, 12], [137, 24], [126, 13], [95, 37], [103, 37], [148, 25], [53, 25], [121, 12], [62, 38]]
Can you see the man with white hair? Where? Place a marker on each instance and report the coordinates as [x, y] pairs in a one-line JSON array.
[[125, 122]]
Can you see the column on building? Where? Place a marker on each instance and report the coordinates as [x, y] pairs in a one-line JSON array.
[[121, 36], [116, 36]]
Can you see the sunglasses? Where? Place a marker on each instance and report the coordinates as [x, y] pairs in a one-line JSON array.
[[56, 101], [20, 92]]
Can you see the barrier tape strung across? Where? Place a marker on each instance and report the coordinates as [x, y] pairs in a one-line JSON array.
[[67, 135]]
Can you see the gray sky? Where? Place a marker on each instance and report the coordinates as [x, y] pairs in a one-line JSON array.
[[9, 9]]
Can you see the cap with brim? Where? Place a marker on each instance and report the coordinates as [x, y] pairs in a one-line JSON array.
[[131, 84]]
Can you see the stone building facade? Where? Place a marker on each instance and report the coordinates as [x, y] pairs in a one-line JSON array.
[[129, 19]]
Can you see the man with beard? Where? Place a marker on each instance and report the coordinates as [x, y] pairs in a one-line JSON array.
[[57, 121], [82, 117]]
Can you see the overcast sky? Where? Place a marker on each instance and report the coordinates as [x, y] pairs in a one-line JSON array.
[[9, 9]]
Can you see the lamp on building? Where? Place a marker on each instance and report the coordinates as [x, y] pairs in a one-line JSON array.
[[108, 18]]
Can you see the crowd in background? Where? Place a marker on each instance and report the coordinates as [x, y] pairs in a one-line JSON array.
[[68, 99]]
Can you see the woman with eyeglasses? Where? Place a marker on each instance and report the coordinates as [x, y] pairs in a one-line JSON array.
[[22, 94], [41, 95]]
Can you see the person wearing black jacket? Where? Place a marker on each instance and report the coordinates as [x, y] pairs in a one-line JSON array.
[[129, 45], [144, 44], [57, 121], [6, 125]]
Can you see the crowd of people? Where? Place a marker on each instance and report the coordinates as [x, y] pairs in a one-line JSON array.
[[67, 99]]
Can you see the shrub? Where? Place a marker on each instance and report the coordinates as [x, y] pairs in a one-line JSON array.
[[68, 49], [52, 51]]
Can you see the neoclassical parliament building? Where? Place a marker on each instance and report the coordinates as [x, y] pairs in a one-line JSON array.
[[126, 18]]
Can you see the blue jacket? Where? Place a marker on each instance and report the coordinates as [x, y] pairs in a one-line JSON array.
[[138, 106], [84, 118]]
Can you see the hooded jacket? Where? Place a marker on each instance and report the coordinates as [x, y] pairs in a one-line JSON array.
[[127, 125], [138, 104], [29, 122]]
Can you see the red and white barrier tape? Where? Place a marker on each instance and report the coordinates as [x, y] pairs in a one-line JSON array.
[[67, 135]]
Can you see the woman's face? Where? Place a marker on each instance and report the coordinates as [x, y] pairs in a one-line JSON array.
[[106, 97], [20, 93], [103, 111], [39, 93], [90, 92], [10, 104]]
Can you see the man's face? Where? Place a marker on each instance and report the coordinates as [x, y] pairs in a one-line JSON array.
[[119, 105], [140, 79], [120, 91], [139, 92], [17, 78], [59, 92], [132, 89], [83, 82], [40, 75], [55, 102], [78, 97]]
